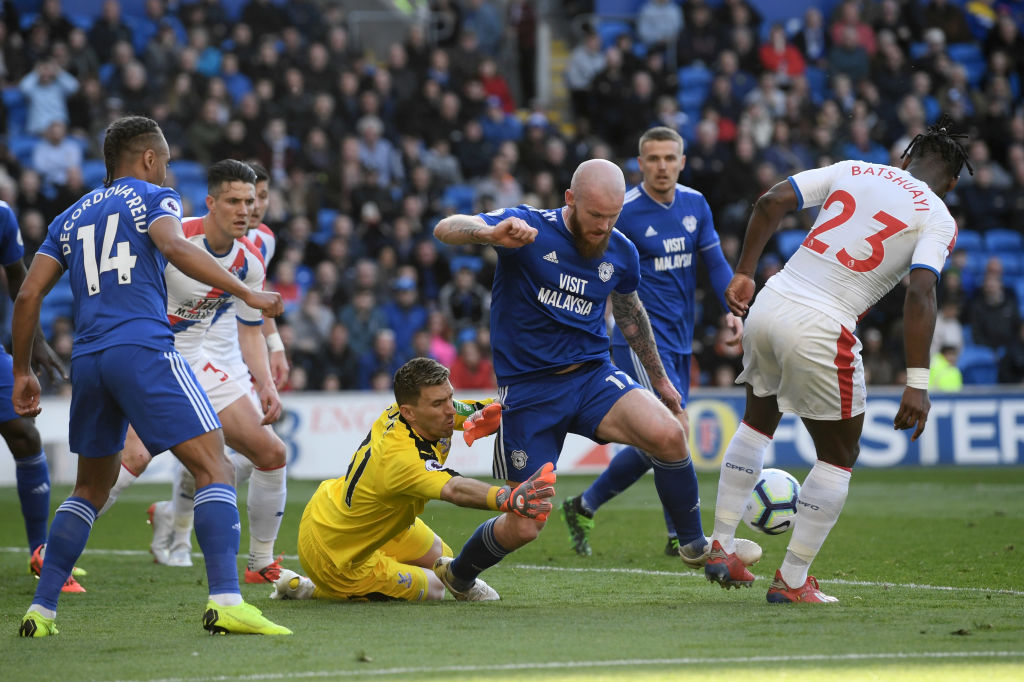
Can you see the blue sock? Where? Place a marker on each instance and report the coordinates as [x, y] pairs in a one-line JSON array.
[[69, 532], [218, 531], [625, 469], [480, 552], [33, 478], [676, 483], [669, 526]]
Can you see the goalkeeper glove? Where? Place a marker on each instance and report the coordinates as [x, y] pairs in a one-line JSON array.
[[481, 423], [529, 498]]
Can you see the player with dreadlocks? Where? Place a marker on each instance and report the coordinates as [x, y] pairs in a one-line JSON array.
[[115, 242], [800, 354]]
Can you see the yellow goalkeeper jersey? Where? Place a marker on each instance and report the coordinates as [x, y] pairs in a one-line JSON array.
[[392, 475]]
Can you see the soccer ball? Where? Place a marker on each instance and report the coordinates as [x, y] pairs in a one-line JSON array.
[[772, 503]]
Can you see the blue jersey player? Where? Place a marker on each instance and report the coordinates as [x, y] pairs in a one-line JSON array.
[[671, 226], [31, 472], [115, 242], [556, 271]]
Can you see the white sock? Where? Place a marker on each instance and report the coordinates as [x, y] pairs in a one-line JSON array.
[[243, 468], [821, 499], [741, 469], [267, 494], [124, 479], [183, 504], [226, 599], [43, 611]]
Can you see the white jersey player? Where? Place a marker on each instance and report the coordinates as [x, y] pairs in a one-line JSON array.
[[192, 308], [877, 224]]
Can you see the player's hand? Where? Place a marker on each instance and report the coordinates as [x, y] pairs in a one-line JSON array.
[[45, 361], [739, 293], [270, 403], [669, 395], [25, 395], [913, 412], [279, 368], [513, 233], [269, 302], [529, 499], [481, 423], [735, 326]]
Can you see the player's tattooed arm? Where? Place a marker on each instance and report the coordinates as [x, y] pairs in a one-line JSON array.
[[462, 229], [632, 320]]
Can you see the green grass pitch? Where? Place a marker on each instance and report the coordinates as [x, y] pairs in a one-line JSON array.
[[926, 563]]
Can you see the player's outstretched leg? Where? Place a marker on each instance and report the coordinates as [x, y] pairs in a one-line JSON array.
[[625, 469], [580, 521], [726, 569], [160, 517]]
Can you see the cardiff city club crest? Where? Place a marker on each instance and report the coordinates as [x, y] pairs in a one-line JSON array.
[[690, 223], [518, 459], [605, 270]]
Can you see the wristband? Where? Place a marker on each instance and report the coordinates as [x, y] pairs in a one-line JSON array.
[[492, 497], [274, 343], [917, 377]]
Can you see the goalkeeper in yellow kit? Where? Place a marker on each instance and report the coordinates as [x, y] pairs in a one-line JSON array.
[[361, 536]]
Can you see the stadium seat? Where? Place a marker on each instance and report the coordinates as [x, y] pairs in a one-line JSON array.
[[611, 30], [324, 225], [21, 146], [695, 77], [788, 241], [461, 197], [969, 241], [690, 101], [1002, 240], [979, 365], [188, 172], [972, 59], [618, 8], [817, 82], [474, 263], [93, 172], [195, 194], [1018, 288]]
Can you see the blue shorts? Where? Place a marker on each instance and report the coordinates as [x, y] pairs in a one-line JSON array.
[[7, 412], [677, 368], [154, 390], [538, 412]]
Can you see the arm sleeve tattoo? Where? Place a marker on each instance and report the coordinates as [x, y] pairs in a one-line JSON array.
[[632, 320]]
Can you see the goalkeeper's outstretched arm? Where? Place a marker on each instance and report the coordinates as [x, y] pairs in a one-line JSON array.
[[529, 499]]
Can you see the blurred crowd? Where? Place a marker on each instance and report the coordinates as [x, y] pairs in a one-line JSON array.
[[367, 150]]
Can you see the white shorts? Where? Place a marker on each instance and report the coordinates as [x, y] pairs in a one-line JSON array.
[[222, 384], [809, 361]]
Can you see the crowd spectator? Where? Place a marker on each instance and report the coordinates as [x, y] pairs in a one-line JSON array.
[[47, 89]]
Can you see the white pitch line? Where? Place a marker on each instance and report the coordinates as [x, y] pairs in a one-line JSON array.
[[618, 663], [631, 571]]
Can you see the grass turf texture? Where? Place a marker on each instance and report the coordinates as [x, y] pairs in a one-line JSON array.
[[627, 612]]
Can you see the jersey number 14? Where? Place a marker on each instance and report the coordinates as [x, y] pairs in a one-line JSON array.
[[123, 262]]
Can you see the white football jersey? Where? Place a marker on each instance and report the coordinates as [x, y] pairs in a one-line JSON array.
[[875, 224], [192, 305], [222, 338]]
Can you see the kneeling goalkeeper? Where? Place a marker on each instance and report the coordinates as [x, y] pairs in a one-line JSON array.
[[361, 537]]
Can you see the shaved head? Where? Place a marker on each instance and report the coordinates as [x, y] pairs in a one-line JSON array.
[[598, 175]]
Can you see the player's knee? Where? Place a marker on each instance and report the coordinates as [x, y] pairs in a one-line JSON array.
[[668, 442], [22, 438], [521, 531], [135, 459]]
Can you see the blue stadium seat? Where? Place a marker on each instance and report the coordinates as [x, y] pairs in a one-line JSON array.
[[21, 146], [620, 8], [817, 82], [324, 225], [1003, 240], [695, 77], [474, 263], [188, 172], [979, 365], [1017, 285], [1010, 260], [972, 59], [195, 194], [969, 241], [691, 101], [611, 30], [93, 172], [788, 241], [57, 303], [461, 197], [17, 110]]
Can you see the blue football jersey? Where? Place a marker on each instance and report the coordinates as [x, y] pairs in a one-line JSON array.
[[548, 302], [668, 238], [11, 247], [117, 273]]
